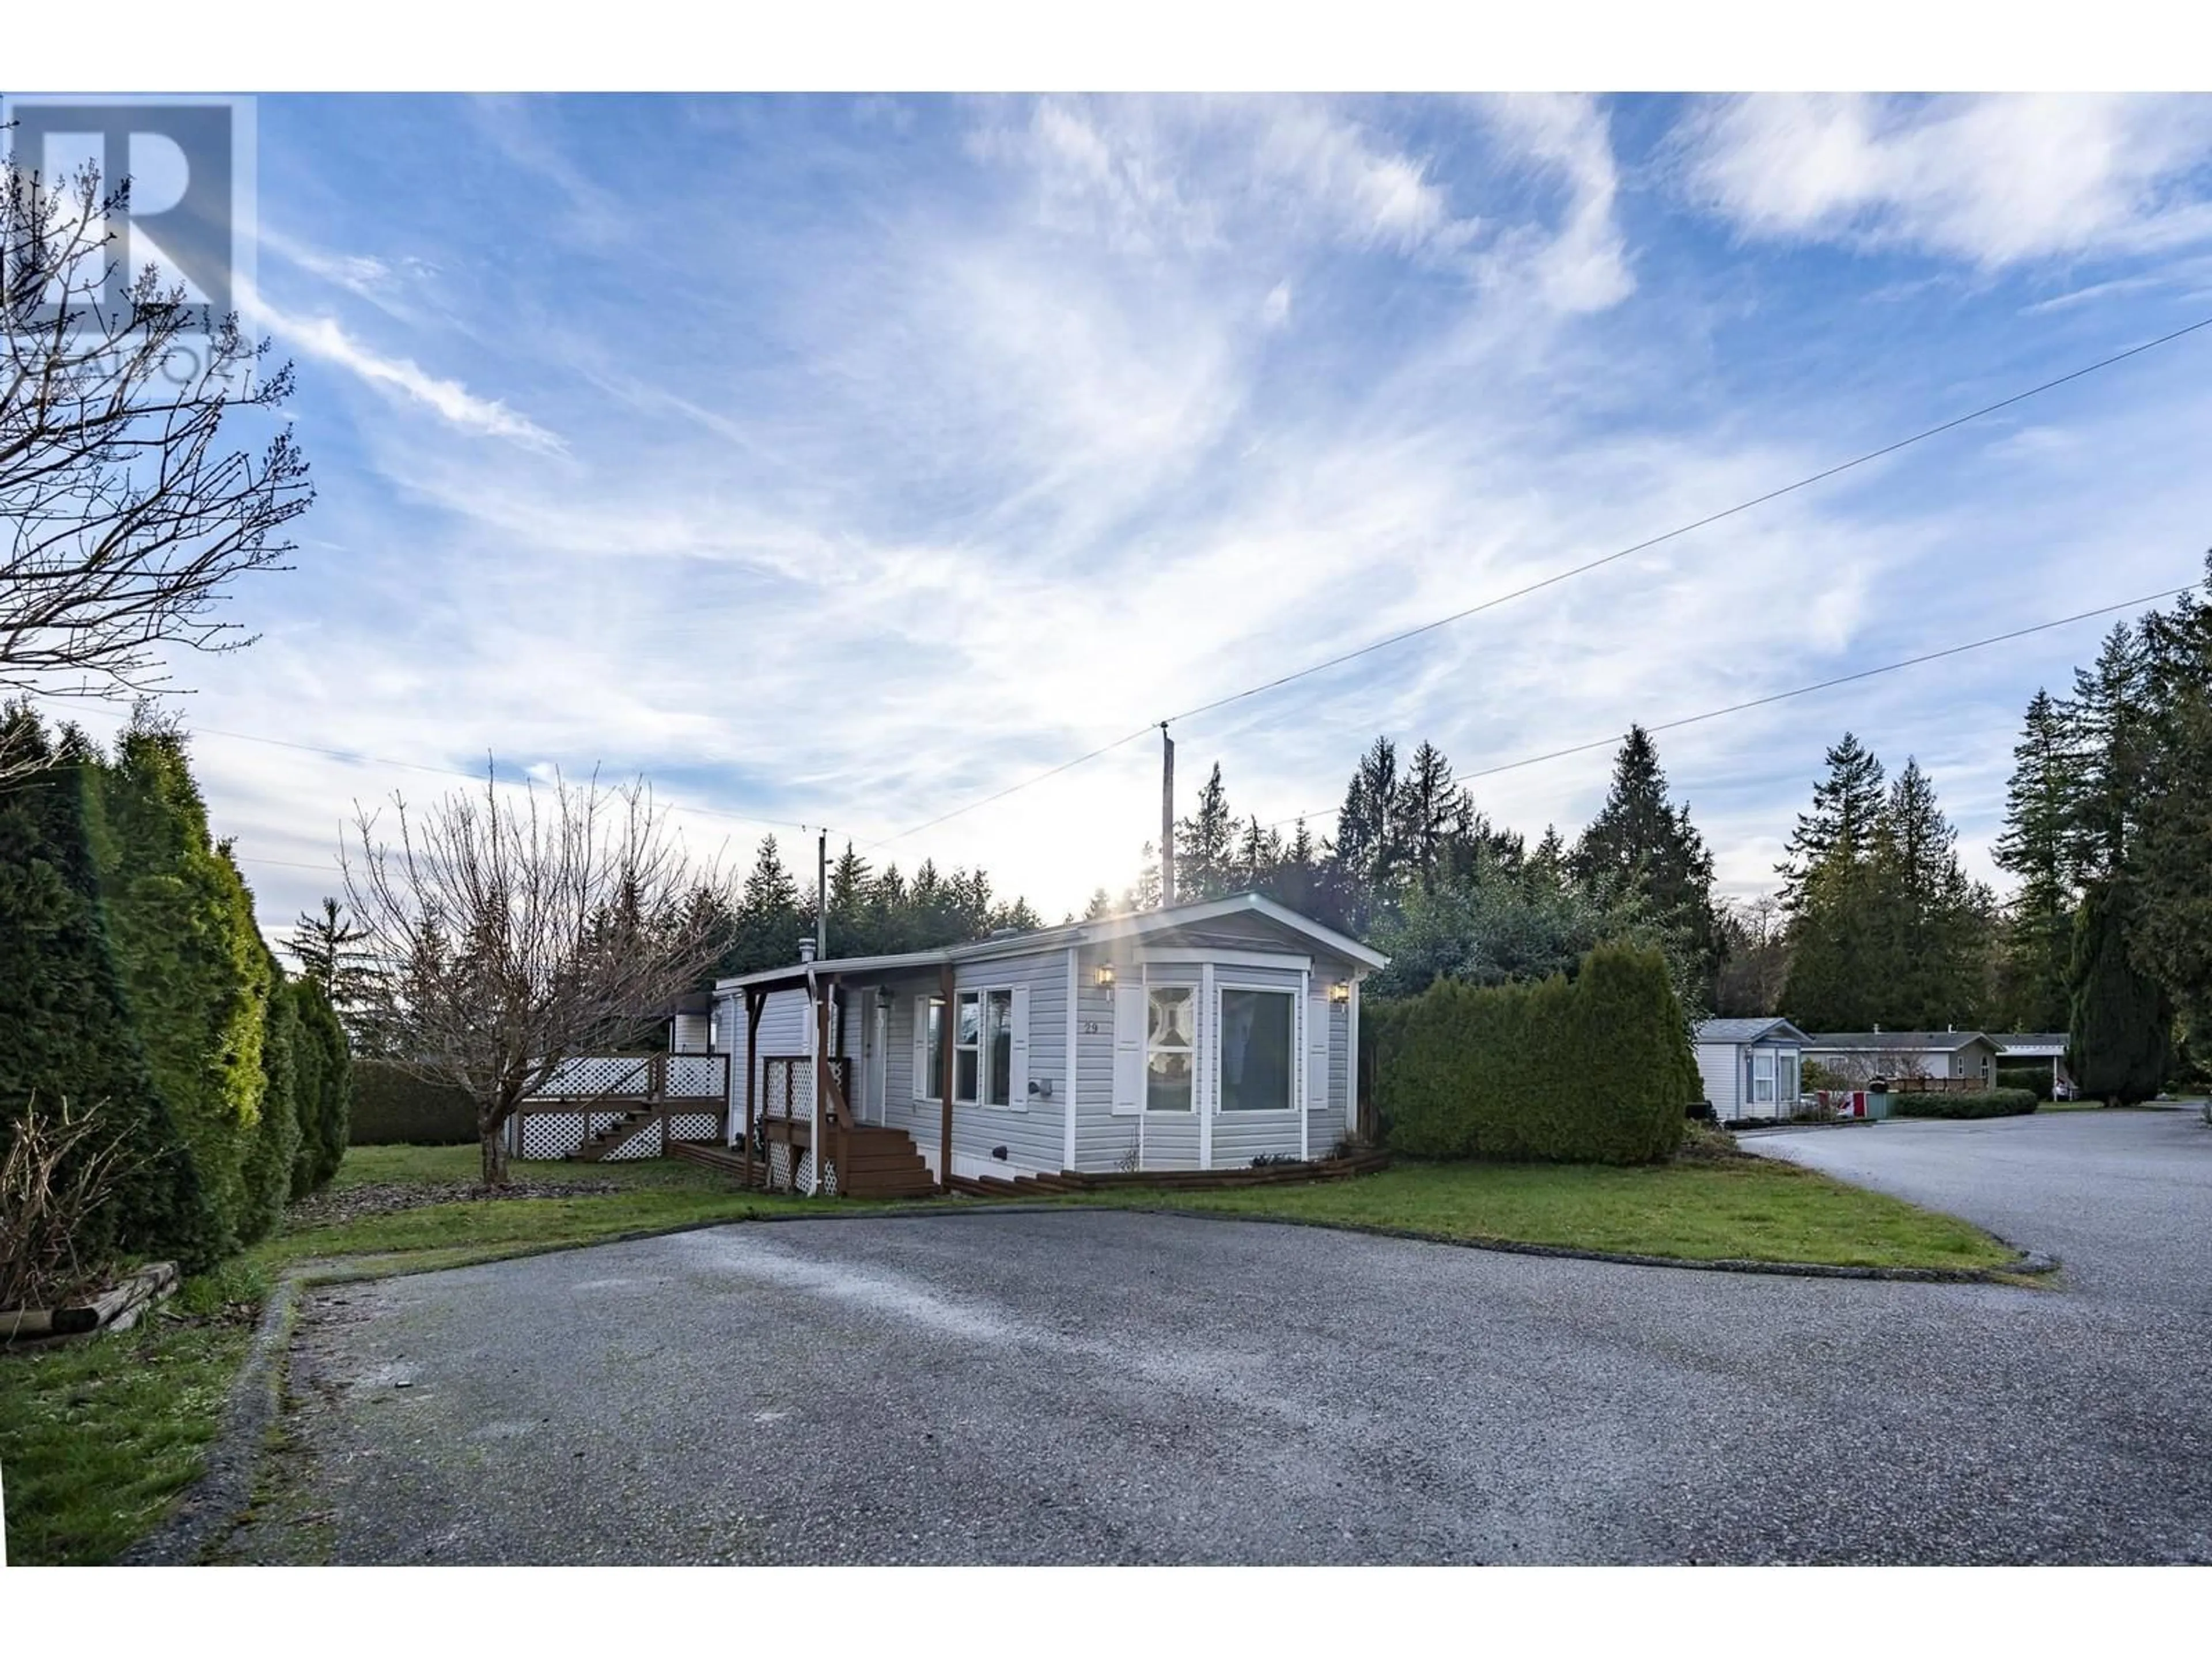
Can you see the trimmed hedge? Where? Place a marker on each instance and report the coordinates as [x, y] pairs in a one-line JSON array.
[[1985, 1102], [392, 1108], [1595, 1069], [2036, 1080], [66, 1031]]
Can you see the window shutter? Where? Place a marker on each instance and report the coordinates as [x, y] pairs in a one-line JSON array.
[[922, 1058], [1128, 1048], [1317, 1048], [1017, 1081]]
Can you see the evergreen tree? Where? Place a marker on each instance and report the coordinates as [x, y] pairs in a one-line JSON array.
[[2173, 851], [1205, 846], [851, 934], [1259, 852], [1934, 925], [1296, 878], [328, 950], [768, 919], [1641, 843], [1365, 858], [1431, 813], [1837, 959], [66, 1032], [2033, 847], [1846, 807], [1100, 905], [2120, 1033], [2106, 722], [195, 973]]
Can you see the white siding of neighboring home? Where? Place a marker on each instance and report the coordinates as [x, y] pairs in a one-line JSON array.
[[1720, 1065]]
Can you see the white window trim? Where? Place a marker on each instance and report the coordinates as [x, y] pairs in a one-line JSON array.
[[926, 1083], [1196, 1051], [1772, 1078], [981, 993], [1297, 1057]]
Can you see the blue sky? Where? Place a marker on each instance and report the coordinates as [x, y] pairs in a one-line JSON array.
[[841, 460]]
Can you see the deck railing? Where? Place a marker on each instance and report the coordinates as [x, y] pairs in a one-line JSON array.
[[595, 1106]]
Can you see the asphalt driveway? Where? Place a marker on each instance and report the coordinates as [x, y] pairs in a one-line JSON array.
[[1089, 1386]]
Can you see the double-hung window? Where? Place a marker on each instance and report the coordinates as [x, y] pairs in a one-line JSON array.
[[1170, 1048], [1762, 1076], [1259, 1050], [983, 1048]]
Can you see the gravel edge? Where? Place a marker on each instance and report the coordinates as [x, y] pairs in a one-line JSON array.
[[225, 1485]]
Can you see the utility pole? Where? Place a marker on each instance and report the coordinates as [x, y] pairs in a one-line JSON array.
[[822, 898], [1167, 818]]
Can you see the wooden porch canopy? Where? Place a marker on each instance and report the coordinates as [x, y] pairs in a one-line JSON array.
[[831, 1123]]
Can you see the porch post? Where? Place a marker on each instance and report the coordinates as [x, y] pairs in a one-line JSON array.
[[944, 985], [752, 1043], [817, 1134]]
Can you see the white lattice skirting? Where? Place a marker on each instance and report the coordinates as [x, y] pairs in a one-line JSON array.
[[780, 1177]]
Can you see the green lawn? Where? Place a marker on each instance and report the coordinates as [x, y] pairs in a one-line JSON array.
[[1751, 1209], [97, 1438]]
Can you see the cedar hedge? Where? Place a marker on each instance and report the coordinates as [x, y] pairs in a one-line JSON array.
[[394, 1107], [1595, 1069], [133, 978], [1984, 1102]]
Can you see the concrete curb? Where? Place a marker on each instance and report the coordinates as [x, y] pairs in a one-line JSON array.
[[225, 1485]]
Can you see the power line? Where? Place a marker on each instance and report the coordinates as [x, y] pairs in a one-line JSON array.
[[1781, 696], [1557, 577], [1014, 788]]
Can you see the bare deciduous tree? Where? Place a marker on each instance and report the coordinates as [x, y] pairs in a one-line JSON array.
[[511, 936], [125, 510]]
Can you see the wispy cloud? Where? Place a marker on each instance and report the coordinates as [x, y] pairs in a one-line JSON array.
[[930, 452], [1994, 180], [325, 340]]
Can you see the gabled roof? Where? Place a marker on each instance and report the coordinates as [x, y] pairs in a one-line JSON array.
[[1895, 1043], [1748, 1031], [1133, 925]]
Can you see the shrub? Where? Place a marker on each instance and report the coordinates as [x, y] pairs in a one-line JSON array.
[[2036, 1080], [195, 973], [1595, 1070], [1985, 1102], [391, 1106], [65, 1030]]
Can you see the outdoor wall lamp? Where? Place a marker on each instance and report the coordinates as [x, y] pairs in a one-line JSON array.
[[1340, 992], [1105, 976]]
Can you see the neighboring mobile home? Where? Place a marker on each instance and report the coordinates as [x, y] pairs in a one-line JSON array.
[[1750, 1067], [1939, 1060], [1200, 1037], [2038, 1049]]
